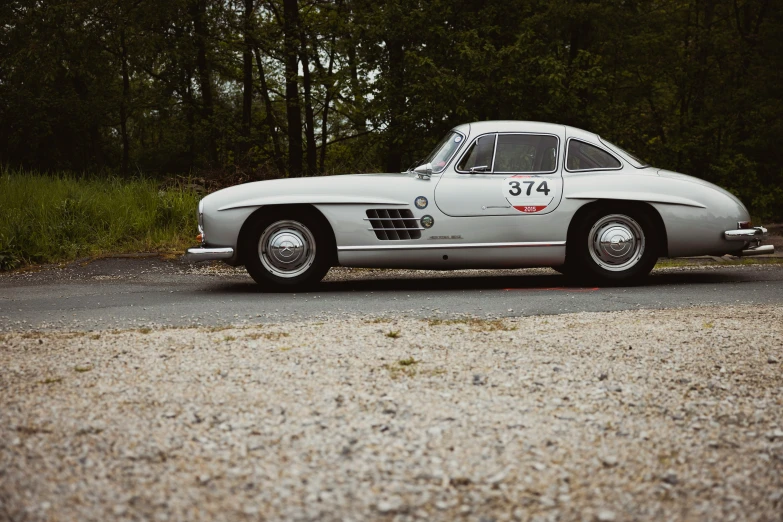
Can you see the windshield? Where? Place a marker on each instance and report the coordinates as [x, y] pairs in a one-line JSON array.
[[636, 162], [443, 151]]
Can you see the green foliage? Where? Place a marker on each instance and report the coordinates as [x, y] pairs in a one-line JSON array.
[[64, 217]]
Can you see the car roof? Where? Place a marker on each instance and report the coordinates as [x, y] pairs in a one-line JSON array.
[[482, 127]]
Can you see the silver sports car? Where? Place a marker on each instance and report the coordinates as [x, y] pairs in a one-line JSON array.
[[492, 194]]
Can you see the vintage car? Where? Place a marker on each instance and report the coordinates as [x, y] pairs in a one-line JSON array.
[[492, 194]]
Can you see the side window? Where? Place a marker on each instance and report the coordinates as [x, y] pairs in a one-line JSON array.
[[526, 153], [583, 156], [479, 155]]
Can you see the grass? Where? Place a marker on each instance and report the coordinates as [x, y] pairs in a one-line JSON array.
[[479, 325], [674, 263], [63, 217], [393, 334], [408, 368], [270, 336], [403, 368]]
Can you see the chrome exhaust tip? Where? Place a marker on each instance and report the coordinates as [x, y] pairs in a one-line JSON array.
[[759, 251]]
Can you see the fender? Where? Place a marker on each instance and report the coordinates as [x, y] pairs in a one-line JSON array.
[[299, 199], [638, 196]]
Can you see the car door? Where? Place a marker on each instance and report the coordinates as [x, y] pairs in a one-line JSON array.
[[504, 174]]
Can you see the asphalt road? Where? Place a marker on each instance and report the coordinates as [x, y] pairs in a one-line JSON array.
[[131, 293]]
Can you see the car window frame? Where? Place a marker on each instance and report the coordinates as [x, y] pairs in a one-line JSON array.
[[629, 158], [453, 154], [495, 151], [599, 147]]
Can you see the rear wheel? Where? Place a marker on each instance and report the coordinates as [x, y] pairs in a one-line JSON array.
[[285, 252], [613, 244]]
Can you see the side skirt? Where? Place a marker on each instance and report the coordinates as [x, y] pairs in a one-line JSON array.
[[454, 256]]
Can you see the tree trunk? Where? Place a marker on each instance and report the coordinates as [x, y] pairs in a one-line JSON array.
[[247, 63], [124, 106], [309, 115], [270, 115], [360, 120], [197, 9], [396, 105], [190, 117], [293, 109], [325, 115]]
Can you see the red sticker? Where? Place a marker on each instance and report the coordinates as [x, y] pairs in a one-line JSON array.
[[529, 209]]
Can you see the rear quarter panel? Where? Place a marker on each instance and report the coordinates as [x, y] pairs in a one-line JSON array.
[[694, 212]]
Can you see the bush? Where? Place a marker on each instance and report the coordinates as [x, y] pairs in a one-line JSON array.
[[63, 217]]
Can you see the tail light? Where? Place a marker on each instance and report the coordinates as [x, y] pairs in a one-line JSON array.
[[744, 224]]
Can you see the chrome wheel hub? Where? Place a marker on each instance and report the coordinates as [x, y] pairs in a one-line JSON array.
[[287, 248], [616, 242]]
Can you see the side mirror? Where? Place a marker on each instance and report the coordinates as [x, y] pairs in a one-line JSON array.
[[424, 171]]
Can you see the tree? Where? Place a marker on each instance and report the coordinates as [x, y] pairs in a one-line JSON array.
[[268, 88]]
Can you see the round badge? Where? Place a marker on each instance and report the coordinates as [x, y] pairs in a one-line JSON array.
[[427, 221], [421, 202]]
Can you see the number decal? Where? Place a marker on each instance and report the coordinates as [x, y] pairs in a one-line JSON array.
[[531, 194]]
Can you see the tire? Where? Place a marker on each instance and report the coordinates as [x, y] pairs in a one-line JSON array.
[[287, 251], [615, 244]]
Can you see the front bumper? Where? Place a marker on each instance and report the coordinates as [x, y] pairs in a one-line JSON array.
[[752, 238], [207, 254]]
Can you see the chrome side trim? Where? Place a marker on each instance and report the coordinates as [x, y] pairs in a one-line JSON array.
[[407, 228], [392, 219], [310, 199], [206, 254], [451, 246], [745, 234], [638, 196]]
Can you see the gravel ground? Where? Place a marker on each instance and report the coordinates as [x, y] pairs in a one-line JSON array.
[[641, 415]]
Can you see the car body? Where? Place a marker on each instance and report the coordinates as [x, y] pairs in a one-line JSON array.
[[493, 194]]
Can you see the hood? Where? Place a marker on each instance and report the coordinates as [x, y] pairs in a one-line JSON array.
[[348, 188]]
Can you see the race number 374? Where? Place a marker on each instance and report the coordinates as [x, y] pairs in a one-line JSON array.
[[516, 187], [530, 194]]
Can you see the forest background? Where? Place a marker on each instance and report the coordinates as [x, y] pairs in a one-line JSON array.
[[241, 90]]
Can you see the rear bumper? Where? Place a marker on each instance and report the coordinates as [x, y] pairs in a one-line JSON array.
[[745, 234], [752, 238], [207, 254]]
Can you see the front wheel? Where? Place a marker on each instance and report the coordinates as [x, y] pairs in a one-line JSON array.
[[613, 245], [287, 253]]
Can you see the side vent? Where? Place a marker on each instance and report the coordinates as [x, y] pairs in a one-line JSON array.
[[391, 224]]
